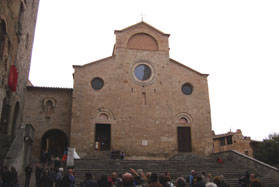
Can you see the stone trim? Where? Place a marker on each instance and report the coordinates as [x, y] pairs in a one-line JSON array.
[[249, 158], [102, 111], [49, 88], [142, 22], [184, 115], [148, 81], [97, 61], [178, 63]]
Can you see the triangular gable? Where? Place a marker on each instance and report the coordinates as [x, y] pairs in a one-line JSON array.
[[178, 63], [97, 61], [142, 23]]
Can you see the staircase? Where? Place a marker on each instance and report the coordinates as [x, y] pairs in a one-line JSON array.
[[179, 165]]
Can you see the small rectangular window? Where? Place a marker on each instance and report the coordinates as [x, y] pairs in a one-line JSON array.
[[229, 139], [222, 141]]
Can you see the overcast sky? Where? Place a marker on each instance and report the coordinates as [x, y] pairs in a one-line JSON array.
[[236, 42]]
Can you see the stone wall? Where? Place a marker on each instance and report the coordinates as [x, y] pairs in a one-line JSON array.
[[42, 118], [239, 159], [20, 20], [17, 23], [19, 154], [144, 115], [239, 143]]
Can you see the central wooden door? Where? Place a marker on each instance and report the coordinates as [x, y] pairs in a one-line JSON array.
[[103, 136], [184, 139]]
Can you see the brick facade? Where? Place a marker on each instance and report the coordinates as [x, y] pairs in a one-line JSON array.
[[233, 141], [143, 115], [17, 28], [43, 119]]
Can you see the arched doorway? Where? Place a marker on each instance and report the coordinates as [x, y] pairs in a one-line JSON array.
[[15, 117], [4, 121], [55, 142]]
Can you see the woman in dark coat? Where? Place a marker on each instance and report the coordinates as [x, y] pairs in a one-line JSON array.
[[13, 177], [45, 180]]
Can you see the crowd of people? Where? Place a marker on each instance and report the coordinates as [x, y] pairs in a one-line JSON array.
[[8, 177], [54, 174]]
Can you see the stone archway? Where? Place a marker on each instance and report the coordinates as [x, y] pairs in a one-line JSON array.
[[55, 142], [184, 134]]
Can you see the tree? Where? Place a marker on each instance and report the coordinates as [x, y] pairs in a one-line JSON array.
[[268, 150]]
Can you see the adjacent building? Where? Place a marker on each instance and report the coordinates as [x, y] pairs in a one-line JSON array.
[[232, 141], [17, 27]]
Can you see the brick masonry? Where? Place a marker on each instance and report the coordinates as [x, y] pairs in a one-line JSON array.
[[238, 142], [144, 115], [17, 28], [140, 111], [42, 119]]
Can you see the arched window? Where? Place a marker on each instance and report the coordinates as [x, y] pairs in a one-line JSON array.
[[20, 19], [142, 41], [48, 106], [15, 118], [3, 33], [184, 120], [103, 116]]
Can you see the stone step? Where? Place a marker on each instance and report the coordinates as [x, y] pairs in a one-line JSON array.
[[179, 165]]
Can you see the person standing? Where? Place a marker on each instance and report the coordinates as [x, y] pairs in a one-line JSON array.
[[59, 177], [154, 181], [254, 182], [45, 180], [199, 182], [69, 179], [6, 177], [191, 178], [89, 182], [38, 174], [28, 172], [13, 177], [57, 163]]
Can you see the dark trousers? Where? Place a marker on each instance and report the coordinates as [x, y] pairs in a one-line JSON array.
[[37, 181], [27, 180]]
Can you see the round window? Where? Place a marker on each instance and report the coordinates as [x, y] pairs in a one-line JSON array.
[[97, 83], [187, 89], [142, 72]]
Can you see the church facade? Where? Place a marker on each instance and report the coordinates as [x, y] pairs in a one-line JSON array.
[[139, 101]]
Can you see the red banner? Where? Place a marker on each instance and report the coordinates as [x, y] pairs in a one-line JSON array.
[[13, 76]]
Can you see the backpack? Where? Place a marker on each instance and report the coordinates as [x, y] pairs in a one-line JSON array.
[[58, 177]]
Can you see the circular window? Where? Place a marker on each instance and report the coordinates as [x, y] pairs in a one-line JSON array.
[[97, 83], [187, 89], [142, 72]]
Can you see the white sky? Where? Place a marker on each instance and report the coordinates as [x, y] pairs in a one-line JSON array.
[[236, 42]]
